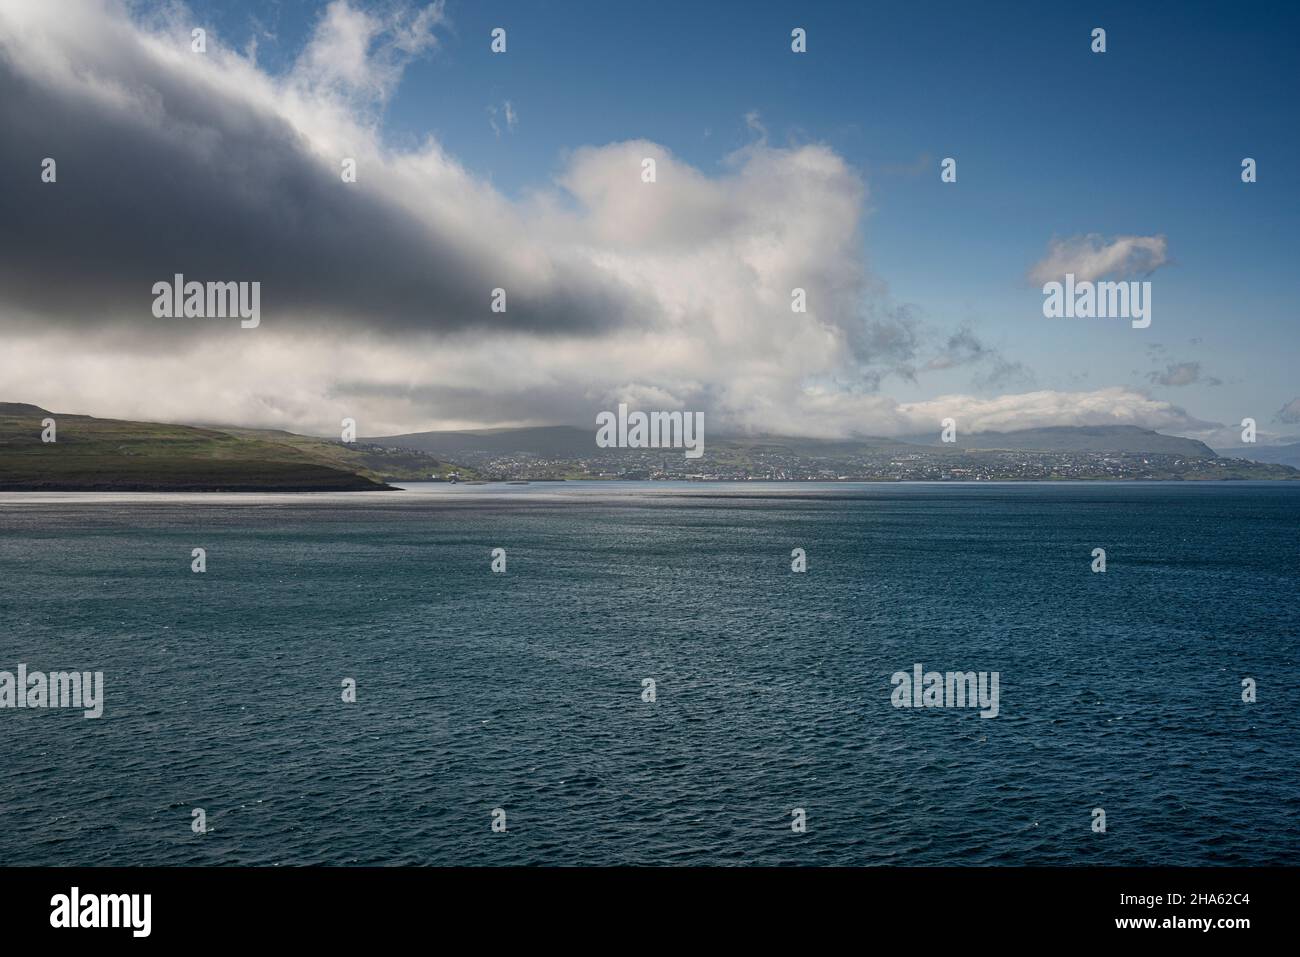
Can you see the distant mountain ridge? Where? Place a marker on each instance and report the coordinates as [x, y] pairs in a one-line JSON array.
[[559, 441], [1082, 438], [93, 454]]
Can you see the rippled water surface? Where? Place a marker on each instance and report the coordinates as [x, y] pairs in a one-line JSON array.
[[523, 691]]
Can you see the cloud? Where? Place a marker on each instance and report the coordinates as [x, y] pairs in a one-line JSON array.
[[376, 294], [171, 161], [1182, 373], [507, 111], [1289, 413], [1003, 373], [359, 55], [1111, 406], [1091, 258], [965, 348]]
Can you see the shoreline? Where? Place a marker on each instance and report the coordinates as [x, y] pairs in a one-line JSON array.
[[156, 488], [518, 487]]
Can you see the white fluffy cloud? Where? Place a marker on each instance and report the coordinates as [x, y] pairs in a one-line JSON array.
[[1092, 257]]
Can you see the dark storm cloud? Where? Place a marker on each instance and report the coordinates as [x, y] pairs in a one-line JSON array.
[[179, 177]]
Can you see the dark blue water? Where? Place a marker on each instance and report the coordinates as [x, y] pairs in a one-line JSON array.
[[523, 691]]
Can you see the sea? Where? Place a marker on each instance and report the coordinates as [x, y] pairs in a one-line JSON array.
[[644, 679]]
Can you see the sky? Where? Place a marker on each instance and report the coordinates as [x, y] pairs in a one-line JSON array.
[[522, 170]]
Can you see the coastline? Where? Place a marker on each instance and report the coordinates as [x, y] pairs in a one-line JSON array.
[[399, 486]]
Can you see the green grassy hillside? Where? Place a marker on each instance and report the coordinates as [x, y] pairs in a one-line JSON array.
[[93, 454]]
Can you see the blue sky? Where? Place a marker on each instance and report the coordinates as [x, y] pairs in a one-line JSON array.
[[1052, 141]]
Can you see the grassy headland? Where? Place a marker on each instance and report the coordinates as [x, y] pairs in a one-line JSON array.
[[92, 454]]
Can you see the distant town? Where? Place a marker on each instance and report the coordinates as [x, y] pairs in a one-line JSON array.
[[778, 464]]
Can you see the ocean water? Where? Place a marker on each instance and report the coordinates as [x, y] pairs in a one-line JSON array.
[[523, 690]]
